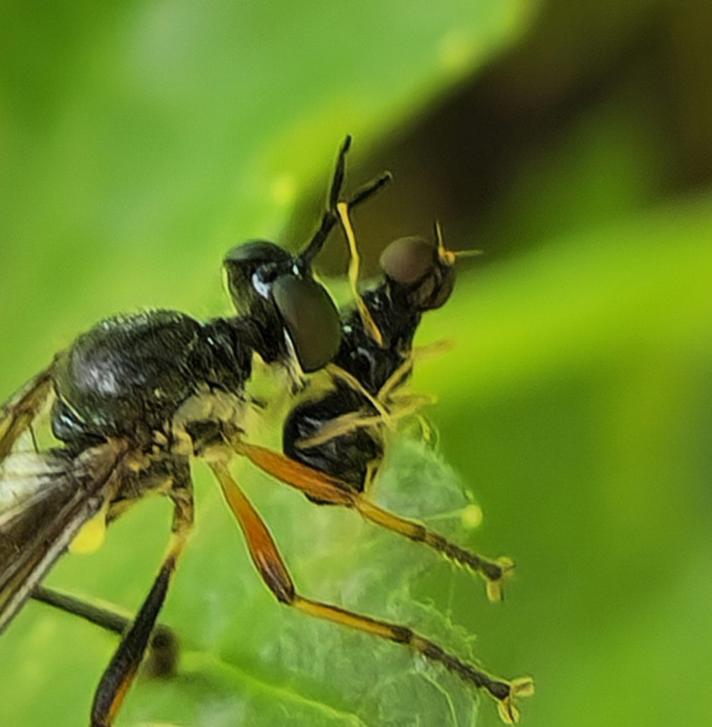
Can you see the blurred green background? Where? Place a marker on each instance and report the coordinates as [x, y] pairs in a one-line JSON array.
[[572, 142]]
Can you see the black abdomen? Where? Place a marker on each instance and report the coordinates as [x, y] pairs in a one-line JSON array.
[[347, 456]]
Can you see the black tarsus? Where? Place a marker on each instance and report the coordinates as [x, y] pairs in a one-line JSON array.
[[123, 667], [330, 217], [362, 194], [338, 181], [125, 662]]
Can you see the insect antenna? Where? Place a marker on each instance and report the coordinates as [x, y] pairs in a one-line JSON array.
[[449, 257]]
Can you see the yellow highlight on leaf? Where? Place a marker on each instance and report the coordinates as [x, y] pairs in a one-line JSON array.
[[457, 51], [284, 190]]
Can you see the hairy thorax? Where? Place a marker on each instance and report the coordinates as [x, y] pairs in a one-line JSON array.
[[160, 378]]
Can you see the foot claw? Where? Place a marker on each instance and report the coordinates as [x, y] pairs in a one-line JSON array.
[[508, 710], [495, 585]]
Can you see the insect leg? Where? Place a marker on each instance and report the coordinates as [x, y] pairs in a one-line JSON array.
[[338, 427], [342, 209], [337, 181], [329, 218], [403, 406], [164, 642], [331, 490], [121, 672], [273, 571], [389, 406]]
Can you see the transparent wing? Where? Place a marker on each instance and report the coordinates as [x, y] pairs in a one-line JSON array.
[[45, 498], [18, 413]]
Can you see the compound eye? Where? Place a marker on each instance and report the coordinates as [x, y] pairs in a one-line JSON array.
[[408, 259], [311, 319], [256, 252]]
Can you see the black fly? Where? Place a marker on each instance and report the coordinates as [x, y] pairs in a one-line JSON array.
[[136, 397]]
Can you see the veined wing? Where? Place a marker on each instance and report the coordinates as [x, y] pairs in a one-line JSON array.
[[45, 498], [20, 410]]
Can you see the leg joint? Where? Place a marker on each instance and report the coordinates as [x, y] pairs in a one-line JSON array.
[[278, 581], [401, 634]]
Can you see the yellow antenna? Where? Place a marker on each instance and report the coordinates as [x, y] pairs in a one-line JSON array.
[[449, 257]]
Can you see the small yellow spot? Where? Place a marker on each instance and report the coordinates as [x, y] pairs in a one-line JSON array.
[[91, 536], [284, 190], [471, 516]]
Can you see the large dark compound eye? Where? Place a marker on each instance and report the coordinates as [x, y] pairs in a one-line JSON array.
[[409, 259], [310, 318], [275, 294]]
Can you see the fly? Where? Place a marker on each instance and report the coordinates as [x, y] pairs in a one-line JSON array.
[[136, 397]]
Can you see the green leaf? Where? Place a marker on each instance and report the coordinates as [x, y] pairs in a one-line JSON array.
[[577, 402], [244, 657], [580, 300]]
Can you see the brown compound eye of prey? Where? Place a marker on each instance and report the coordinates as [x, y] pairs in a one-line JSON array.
[[420, 267], [408, 259]]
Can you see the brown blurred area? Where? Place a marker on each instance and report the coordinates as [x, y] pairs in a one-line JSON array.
[[633, 76]]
